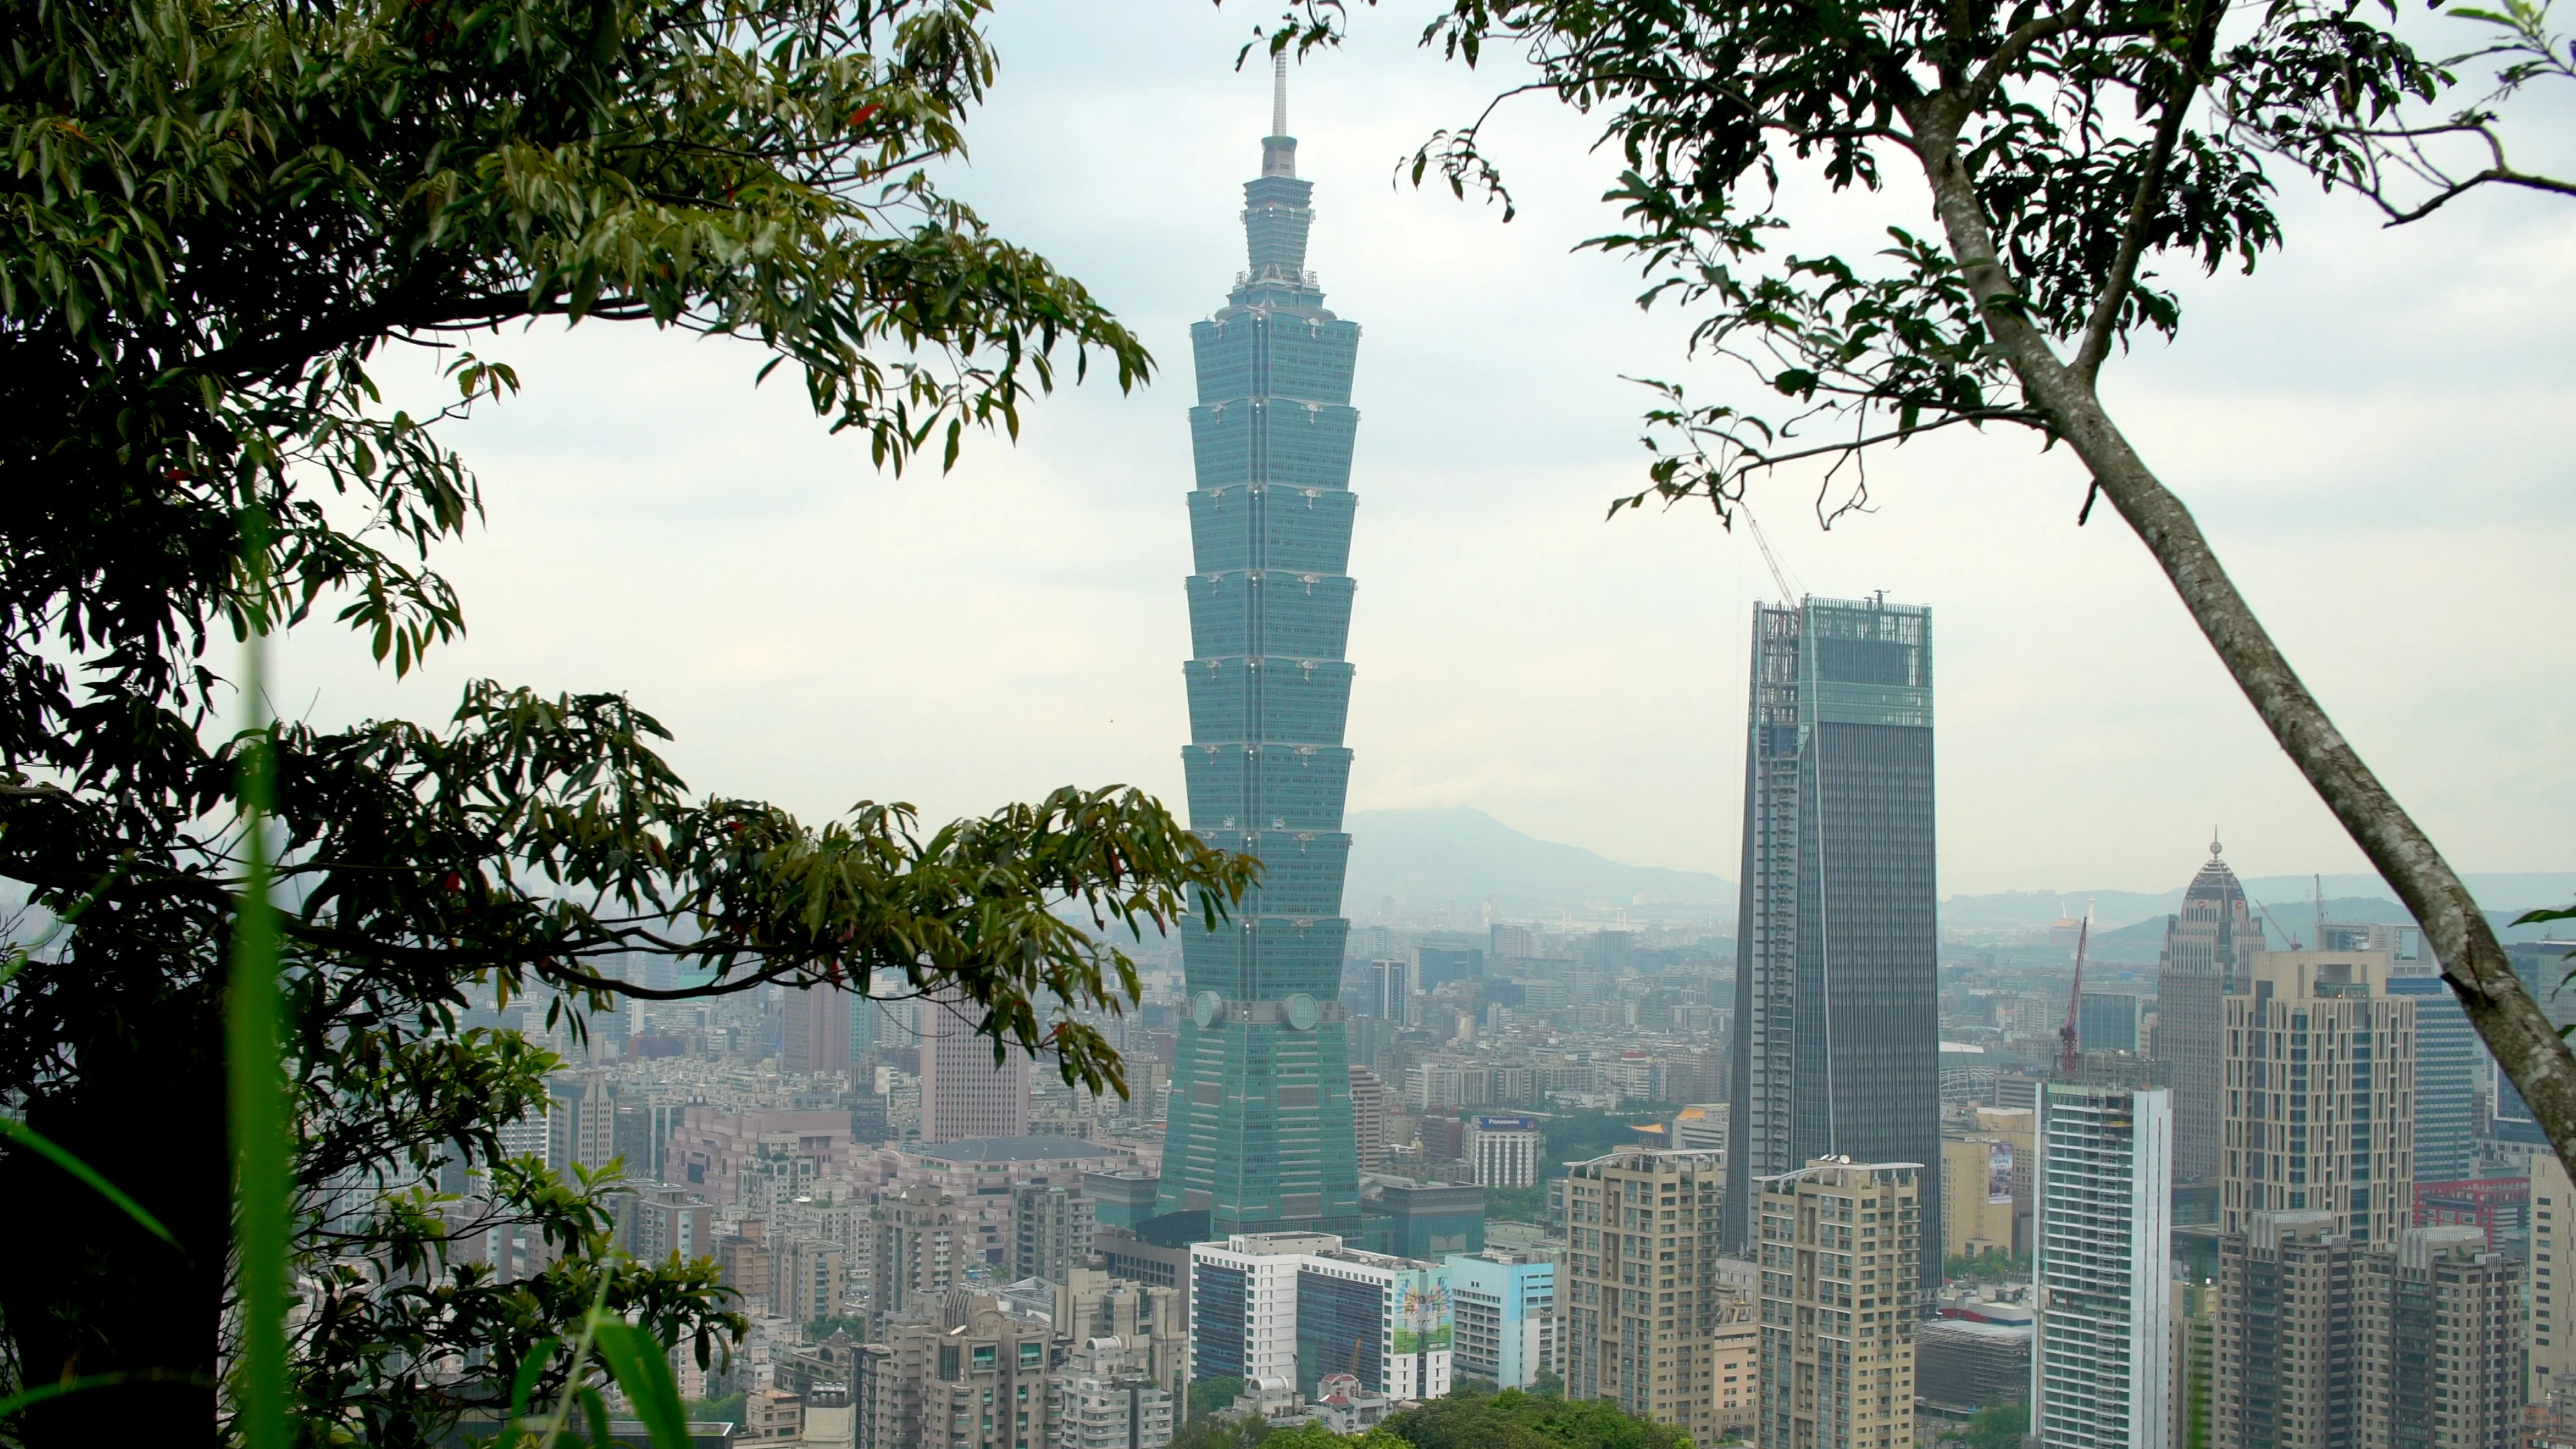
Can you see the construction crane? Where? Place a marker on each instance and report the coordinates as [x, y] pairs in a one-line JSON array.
[[2070, 1049], [1788, 595], [2286, 933]]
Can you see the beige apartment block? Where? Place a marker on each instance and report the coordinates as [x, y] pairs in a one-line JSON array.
[[2319, 1095], [1839, 1262], [2549, 1337], [1641, 1297], [1735, 1378]]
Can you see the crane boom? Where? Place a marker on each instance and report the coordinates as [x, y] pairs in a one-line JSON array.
[[2070, 1050], [1787, 594]]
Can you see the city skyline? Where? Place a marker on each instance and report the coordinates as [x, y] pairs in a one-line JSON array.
[[820, 633]]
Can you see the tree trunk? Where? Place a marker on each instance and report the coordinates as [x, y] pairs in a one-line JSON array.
[[2525, 1045], [88, 1291]]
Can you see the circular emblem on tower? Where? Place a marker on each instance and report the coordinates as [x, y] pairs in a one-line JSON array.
[[1205, 1006], [1303, 1013]]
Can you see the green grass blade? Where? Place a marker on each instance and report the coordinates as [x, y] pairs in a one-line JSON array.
[[26, 1398], [524, 1384], [595, 1414], [643, 1370], [36, 1141], [256, 1066]]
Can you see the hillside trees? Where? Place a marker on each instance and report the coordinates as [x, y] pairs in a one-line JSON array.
[[220, 214], [2052, 154]]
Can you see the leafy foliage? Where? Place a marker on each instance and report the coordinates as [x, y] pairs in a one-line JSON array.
[[2411, 161], [221, 212], [1230, 1432], [726, 1410], [1513, 1419], [2073, 124], [1997, 1426], [1992, 1263], [1208, 1396]]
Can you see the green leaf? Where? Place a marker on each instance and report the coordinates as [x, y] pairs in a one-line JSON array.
[[643, 1370]]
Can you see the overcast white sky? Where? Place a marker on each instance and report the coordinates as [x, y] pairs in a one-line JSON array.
[[2374, 429]]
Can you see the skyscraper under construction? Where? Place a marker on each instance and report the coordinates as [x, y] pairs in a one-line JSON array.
[[1837, 938], [1259, 1133]]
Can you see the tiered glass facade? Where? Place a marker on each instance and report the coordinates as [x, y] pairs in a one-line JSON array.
[[1837, 973], [1259, 1131]]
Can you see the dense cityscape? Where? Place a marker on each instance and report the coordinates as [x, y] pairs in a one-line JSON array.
[[1817, 1171], [574, 1066]]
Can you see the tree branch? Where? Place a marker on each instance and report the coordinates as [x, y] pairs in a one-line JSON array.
[[2524, 1043], [2099, 328], [2014, 47]]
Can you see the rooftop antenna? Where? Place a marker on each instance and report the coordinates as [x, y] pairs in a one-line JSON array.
[[2321, 910]]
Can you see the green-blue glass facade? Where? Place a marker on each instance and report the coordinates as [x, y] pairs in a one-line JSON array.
[[1259, 1131]]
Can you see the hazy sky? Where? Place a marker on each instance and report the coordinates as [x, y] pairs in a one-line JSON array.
[[2374, 429]]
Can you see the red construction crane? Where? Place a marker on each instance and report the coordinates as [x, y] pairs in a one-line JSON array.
[[2070, 1050]]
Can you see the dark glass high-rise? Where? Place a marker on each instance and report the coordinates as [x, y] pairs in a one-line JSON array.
[[1259, 1133], [1837, 1038]]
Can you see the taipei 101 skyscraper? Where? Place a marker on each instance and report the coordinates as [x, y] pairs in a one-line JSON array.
[[1259, 1131]]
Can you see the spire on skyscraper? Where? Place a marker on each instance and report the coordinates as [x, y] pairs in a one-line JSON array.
[[1279, 149]]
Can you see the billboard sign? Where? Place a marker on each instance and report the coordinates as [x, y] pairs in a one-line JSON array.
[[1999, 1172], [1422, 1322]]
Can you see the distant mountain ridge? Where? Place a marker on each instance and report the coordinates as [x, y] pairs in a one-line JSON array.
[[1428, 857], [2291, 898]]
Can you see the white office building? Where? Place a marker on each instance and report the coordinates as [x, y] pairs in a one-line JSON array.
[[1504, 1308], [1505, 1151], [1243, 1304], [1295, 1307], [2103, 1268]]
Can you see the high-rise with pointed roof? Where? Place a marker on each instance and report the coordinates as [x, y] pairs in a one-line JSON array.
[[1259, 1132], [2208, 946]]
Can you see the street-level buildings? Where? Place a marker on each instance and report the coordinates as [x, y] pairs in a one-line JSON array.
[[968, 1375], [2207, 944], [1839, 1264], [2443, 1323], [2324, 1341], [2103, 1268], [1642, 1296], [1504, 1151], [2550, 1337], [1295, 1307], [1504, 1307], [2320, 1095]]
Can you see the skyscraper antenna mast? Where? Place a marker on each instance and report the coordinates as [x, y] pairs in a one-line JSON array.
[[1279, 94]]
